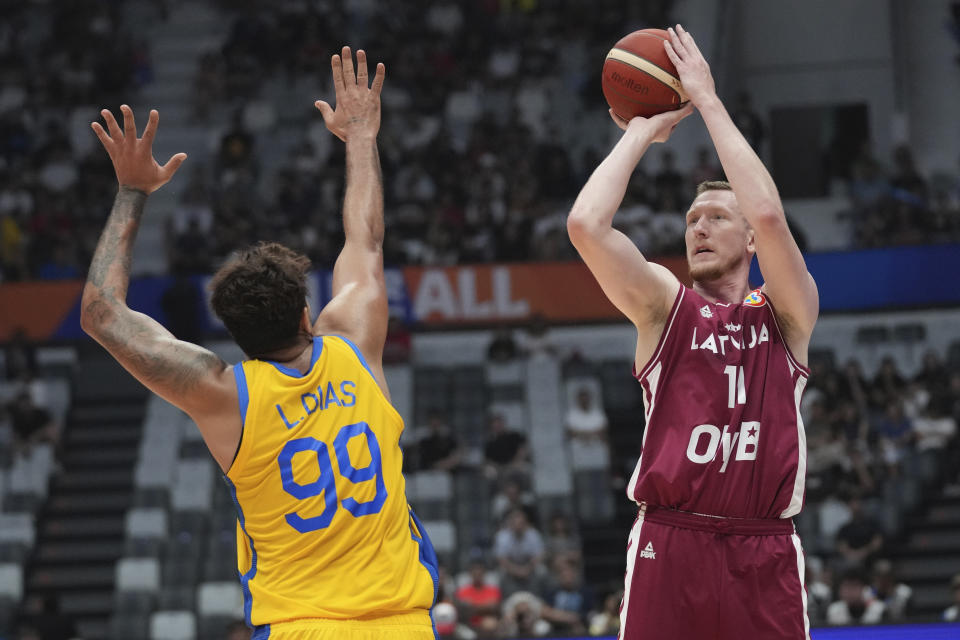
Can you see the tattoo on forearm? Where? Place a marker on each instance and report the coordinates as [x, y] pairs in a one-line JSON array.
[[112, 258], [137, 341]]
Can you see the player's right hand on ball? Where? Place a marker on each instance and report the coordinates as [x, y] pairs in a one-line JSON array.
[[358, 105], [658, 127]]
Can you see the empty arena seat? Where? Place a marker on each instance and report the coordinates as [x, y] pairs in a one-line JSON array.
[[503, 373], [220, 599], [432, 494], [11, 582], [825, 357], [193, 487], [17, 528], [433, 485], [138, 574], [124, 626], [621, 393], [514, 414], [214, 626], [173, 625], [953, 355], [400, 380], [143, 547], [179, 572], [910, 332], [146, 523], [156, 470], [443, 535], [872, 334], [219, 568], [30, 473], [140, 603], [175, 598]]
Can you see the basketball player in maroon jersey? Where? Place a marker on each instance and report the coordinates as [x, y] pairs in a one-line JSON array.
[[713, 552]]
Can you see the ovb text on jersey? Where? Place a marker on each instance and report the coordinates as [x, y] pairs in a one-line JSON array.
[[746, 438]]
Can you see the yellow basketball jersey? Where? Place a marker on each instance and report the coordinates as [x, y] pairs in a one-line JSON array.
[[324, 529]]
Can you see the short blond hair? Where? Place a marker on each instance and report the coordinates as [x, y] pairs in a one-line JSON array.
[[713, 185]]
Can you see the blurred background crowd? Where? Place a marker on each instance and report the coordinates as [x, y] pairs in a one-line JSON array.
[[492, 120]]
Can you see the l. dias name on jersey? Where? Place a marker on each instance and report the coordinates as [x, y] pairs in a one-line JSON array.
[[718, 344], [324, 398]]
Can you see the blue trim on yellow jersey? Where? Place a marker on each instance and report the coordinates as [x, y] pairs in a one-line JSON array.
[[242, 395], [261, 633], [428, 558], [245, 578], [356, 350], [314, 356]]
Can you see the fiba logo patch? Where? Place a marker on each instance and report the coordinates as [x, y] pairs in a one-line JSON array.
[[755, 299]]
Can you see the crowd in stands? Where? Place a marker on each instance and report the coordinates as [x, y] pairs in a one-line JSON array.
[[482, 155], [874, 444], [55, 187], [899, 205], [23, 397]]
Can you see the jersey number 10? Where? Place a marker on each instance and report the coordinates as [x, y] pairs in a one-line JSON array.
[[326, 482]]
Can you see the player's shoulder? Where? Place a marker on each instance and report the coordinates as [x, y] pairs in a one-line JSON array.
[[665, 276]]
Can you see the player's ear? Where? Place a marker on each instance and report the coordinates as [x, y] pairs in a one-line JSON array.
[[305, 322], [751, 241]]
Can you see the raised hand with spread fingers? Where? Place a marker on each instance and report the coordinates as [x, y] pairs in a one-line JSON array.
[[132, 157], [358, 105]]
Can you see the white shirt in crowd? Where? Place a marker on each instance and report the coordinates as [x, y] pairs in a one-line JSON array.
[[838, 613], [589, 422]]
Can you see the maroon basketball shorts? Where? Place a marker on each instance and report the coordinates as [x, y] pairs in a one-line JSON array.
[[696, 577]]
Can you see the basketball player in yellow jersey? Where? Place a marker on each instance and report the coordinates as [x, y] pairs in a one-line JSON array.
[[304, 431]]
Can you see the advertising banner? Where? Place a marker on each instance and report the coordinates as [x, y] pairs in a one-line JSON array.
[[493, 294]]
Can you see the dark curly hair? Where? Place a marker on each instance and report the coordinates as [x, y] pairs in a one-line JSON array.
[[259, 294]]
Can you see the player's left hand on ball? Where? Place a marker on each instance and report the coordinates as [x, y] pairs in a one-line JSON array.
[[691, 66], [358, 105], [659, 127], [132, 157]]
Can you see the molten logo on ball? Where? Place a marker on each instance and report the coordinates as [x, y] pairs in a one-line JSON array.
[[630, 83], [638, 77]]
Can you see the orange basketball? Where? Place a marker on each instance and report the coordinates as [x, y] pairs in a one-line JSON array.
[[638, 77]]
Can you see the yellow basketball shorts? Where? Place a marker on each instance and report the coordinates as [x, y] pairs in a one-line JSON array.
[[408, 626]]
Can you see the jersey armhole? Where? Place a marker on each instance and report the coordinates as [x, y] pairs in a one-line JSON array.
[[373, 378], [243, 398], [671, 317], [804, 370]]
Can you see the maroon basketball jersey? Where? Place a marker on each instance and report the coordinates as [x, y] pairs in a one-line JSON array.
[[721, 396]]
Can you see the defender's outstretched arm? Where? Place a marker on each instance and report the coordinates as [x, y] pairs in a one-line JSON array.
[[359, 309], [184, 374], [787, 281]]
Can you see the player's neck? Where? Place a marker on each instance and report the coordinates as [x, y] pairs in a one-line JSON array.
[[727, 289], [296, 356]]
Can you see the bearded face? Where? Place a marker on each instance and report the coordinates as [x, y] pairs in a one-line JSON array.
[[718, 238]]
